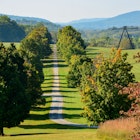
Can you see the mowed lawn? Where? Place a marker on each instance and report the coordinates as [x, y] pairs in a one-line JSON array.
[[38, 126], [93, 51]]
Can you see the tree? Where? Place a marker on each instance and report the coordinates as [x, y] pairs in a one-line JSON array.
[[125, 44], [36, 46], [100, 91], [78, 65], [133, 92], [14, 99], [70, 43]]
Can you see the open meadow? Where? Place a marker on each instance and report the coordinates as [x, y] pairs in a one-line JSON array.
[[93, 51]]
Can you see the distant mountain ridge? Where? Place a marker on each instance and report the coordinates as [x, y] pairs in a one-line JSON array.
[[127, 19], [33, 20]]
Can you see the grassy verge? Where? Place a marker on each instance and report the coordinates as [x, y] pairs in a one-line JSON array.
[[72, 98]]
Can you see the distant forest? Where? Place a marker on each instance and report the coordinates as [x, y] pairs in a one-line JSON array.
[[110, 37], [14, 30], [10, 31]]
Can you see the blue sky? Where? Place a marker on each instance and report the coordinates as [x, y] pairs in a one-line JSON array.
[[68, 10]]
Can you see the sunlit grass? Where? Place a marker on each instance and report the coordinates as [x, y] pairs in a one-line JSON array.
[[7, 44], [94, 51]]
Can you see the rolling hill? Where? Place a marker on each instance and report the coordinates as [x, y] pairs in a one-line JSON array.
[[33, 21], [127, 19]]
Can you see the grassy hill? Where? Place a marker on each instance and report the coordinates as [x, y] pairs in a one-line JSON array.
[[127, 19]]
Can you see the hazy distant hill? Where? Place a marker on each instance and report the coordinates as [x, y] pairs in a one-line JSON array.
[[127, 19], [32, 21]]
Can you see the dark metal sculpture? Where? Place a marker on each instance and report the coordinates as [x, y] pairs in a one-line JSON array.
[[125, 30]]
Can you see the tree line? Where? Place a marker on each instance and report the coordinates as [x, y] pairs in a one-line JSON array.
[[10, 31], [104, 82], [110, 37], [15, 31], [21, 76]]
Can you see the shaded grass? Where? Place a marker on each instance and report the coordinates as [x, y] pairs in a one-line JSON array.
[[48, 75], [94, 51], [72, 101], [57, 136]]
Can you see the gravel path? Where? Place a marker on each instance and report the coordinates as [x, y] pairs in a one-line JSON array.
[[56, 112]]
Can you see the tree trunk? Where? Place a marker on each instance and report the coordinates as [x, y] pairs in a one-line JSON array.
[[1, 131]]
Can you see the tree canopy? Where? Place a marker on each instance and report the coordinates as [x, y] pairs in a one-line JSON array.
[[15, 98], [70, 43], [100, 91], [10, 31]]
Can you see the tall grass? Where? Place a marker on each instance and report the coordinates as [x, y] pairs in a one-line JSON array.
[[120, 129]]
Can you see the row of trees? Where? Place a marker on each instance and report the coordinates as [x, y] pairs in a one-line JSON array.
[[114, 42], [110, 37], [21, 77], [100, 91], [100, 81]]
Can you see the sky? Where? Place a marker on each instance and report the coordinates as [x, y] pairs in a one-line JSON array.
[[68, 10]]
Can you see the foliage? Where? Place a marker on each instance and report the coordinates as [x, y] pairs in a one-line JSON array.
[[78, 65], [10, 31], [100, 93], [70, 43], [36, 46], [133, 91], [15, 101], [110, 37], [137, 57], [125, 44]]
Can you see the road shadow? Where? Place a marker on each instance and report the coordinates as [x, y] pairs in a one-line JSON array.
[[28, 134], [52, 60], [89, 53], [51, 126]]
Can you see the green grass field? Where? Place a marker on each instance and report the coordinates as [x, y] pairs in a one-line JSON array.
[[93, 51]]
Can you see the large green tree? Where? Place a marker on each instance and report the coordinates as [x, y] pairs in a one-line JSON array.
[[70, 43], [37, 46], [14, 98], [100, 91]]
